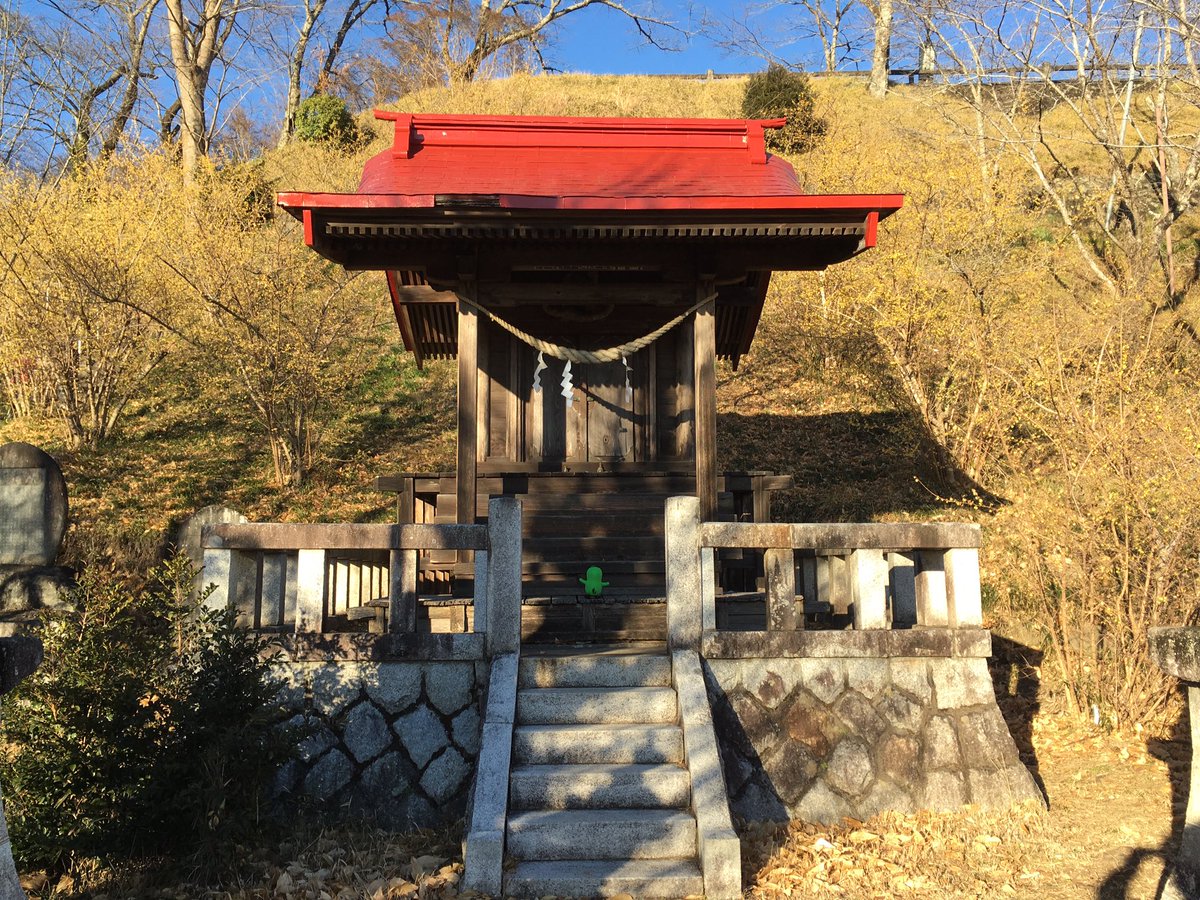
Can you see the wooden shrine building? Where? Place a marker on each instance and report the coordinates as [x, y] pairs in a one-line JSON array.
[[587, 273]]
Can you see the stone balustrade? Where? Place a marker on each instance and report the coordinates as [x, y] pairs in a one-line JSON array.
[[880, 576], [299, 577]]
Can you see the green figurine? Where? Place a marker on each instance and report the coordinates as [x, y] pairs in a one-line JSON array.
[[593, 586]]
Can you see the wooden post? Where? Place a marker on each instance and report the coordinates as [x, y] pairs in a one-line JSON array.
[[402, 612], [780, 568], [704, 359], [468, 421]]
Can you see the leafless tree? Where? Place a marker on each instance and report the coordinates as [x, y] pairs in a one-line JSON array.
[[774, 31], [1042, 75], [306, 28], [449, 41], [198, 33]]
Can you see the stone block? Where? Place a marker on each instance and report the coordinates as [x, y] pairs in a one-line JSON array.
[[943, 792], [884, 797], [449, 686], [760, 727], [762, 678], [483, 865], [791, 771], [445, 777], [1176, 650], [868, 676], [395, 686], [821, 805], [423, 734], [291, 680], [912, 677], [317, 737], [825, 678], [941, 745], [41, 587], [860, 717], [366, 732], [287, 779], [1000, 789], [384, 781], [721, 860], [898, 758], [336, 685], [331, 773], [725, 672], [10, 883], [960, 683], [900, 711], [849, 769], [809, 724], [758, 802], [738, 770], [465, 730], [985, 741]]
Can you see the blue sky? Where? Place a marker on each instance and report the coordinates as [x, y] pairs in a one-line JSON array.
[[602, 41]]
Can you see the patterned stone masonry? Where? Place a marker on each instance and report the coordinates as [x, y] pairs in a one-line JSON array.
[[390, 742], [819, 739]]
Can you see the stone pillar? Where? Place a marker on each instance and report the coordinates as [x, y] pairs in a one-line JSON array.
[[19, 657], [685, 578], [868, 589], [503, 604], [189, 538], [1176, 650]]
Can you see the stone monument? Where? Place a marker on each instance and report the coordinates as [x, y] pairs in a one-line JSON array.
[[1176, 650], [33, 521]]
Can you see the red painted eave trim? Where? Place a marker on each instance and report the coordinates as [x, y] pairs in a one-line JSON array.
[[881, 204]]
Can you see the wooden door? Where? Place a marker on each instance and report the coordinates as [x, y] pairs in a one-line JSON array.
[[610, 413]]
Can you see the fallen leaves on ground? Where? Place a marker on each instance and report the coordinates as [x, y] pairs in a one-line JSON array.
[[965, 854]]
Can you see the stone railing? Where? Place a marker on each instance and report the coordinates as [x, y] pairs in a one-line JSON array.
[[301, 578], [880, 576]]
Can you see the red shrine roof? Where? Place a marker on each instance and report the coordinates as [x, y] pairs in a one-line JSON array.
[[543, 163], [540, 210]]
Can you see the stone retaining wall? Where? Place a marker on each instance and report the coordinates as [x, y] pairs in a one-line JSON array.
[[390, 742], [825, 733]]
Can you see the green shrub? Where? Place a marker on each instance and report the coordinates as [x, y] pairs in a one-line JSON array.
[[149, 728], [780, 92], [325, 118]]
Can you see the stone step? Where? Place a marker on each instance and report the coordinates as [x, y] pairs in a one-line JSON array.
[[596, 705], [605, 877], [599, 787], [596, 670], [603, 744], [621, 834]]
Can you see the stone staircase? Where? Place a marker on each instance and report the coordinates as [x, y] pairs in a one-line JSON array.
[[600, 796]]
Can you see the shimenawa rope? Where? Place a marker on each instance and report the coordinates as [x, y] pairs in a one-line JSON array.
[[611, 354]]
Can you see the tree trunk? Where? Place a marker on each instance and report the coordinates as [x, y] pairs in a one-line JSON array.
[[882, 55], [194, 49], [312, 12]]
